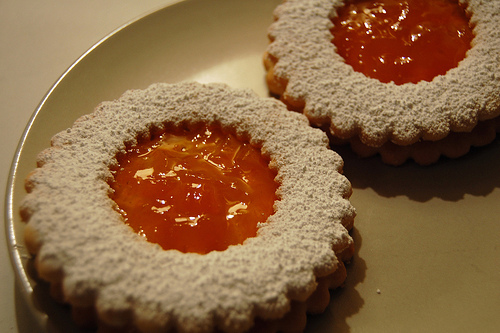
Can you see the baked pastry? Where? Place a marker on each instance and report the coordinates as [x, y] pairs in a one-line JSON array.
[[115, 278], [455, 110]]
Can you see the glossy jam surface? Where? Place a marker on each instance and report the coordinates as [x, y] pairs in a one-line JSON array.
[[195, 190], [402, 41]]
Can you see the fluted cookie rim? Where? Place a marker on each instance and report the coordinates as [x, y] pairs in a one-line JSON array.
[[354, 105], [296, 246]]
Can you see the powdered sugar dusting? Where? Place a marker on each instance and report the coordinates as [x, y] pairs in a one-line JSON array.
[[357, 105], [103, 263]]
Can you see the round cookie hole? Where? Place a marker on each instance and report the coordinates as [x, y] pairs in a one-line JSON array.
[[194, 189], [402, 40]]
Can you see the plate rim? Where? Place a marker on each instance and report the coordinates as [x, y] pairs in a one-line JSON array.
[[13, 243]]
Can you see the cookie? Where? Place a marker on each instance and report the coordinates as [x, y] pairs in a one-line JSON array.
[[399, 121], [114, 277]]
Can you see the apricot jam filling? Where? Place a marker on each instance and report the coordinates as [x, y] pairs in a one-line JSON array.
[[402, 41], [194, 190]]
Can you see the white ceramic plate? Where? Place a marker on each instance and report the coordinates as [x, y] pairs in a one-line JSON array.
[[427, 239]]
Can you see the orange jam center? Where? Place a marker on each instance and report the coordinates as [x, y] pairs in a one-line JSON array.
[[196, 190], [402, 41]]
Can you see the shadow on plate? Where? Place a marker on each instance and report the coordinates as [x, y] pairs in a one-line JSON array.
[[45, 314], [345, 302], [449, 179]]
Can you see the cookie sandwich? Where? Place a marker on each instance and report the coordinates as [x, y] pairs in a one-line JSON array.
[[412, 79], [191, 208]]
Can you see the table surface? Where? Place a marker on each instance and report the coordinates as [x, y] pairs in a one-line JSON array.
[[40, 40]]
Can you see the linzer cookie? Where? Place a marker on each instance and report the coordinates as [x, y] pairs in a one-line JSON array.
[[192, 208], [412, 79]]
